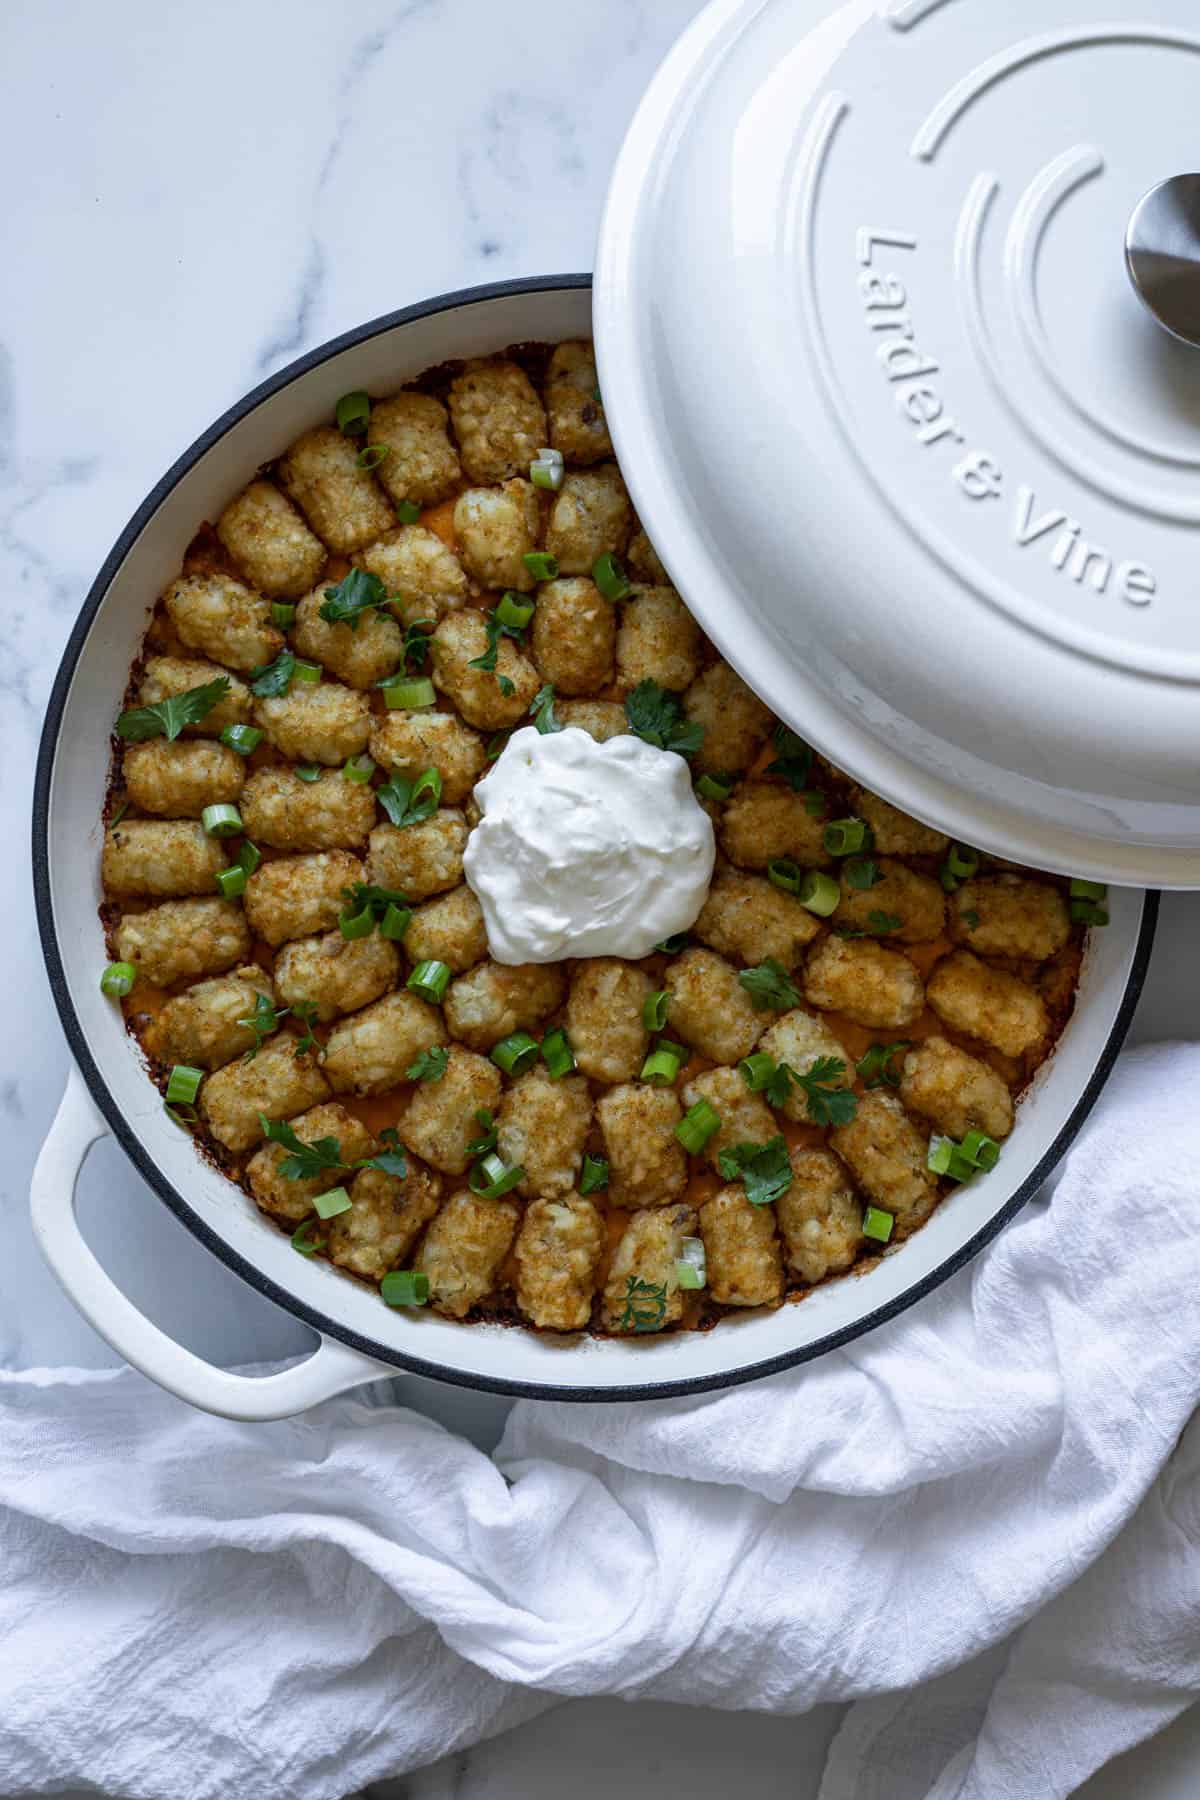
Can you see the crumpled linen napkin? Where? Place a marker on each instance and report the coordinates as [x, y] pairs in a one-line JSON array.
[[197, 1607]]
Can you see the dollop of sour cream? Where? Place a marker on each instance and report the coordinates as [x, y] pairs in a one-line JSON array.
[[586, 849]]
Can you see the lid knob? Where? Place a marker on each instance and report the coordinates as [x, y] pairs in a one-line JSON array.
[[1162, 253]]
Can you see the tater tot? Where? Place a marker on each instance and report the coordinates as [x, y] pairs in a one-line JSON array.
[[178, 780], [360, 654], [745, 1117], [591, 517], [497, 418], [270, 543], [440, 1121], [867, 982], [493, 1000], [899, 893], [222, 619], [463, 1250], [604, 1018], [422, 859], [765, 822], [205, 1026], [460, 639], [573, 636], [657, 640], [956, 1091], [710, 1009], [372, 1050], [558, 1254], [277, 1083], [819, 1217], [330, 813], [292, 1199], [422, 464], [647, 1165], [601, 719], [736, 723], [448, 929], [298, 896], [644, 562], [337, 974], [411, 742], [800, 1040], [388, 1214], [340, 501], [741, 1249], [896, 834], [542, 1126], [166, 676], [642, 1292], [988, 1004], [1006, 915], [746, 917], [887, 1155], [157, 859], [574, 414], [184, 938], [316, 722], [422, 572], [495, 529]]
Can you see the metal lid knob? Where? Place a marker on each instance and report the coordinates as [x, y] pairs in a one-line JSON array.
[[1162, 253]]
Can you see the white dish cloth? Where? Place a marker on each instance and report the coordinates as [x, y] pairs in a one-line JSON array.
[[197, 1609]]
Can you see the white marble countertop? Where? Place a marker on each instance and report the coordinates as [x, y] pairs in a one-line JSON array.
[[213, 191]]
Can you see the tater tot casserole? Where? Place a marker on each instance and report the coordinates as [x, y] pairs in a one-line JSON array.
[[772, 1098]]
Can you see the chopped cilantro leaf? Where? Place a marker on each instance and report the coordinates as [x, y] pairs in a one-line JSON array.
[[305, 1160], [262, 1022], [409, 802], [657, 717], [167, 718], [862, 872], [644, 1305], [430, 1065], [377, 898], [306, 1011], [542, 710], [769, 985], [415, 652], [883, 922], [970, 918], [828, 1102], [794, 761], [392, 1160], [495, 631], [274, 678], [350, 598], [766, 1169]]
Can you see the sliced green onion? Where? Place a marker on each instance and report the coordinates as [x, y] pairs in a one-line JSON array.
[[409, 694], [786, 874], [1086, 912], [661, 1068], [407, 511], [1088, 890], [183, 1116], [878, 1224], [303, 1241], [307, 671], [547, 470], [946, 1158], [353, 411], [757, 1070], [357, 924], [517, 1053], [981, 1151], [283, 614], [949, 882], [328, 1206], [610, 577], [118, 979], [249, 857], [307, 772], [243, 738], [222, 821], [654, 1009], [541, 565], [232, 881], [844, 837], [715, 787], [183, 1084], [962, 861], [395, 922], [358, 769], [430, 980], [514, 612], [697, 1125], [819, 893], [404, 1287], [429, 781], [557, 1054], [371, 455], [594, 1174], [492, 1176], [674, 1049], [691, 1269]]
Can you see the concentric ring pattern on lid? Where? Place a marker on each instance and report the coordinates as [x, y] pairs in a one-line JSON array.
[[890, 406]]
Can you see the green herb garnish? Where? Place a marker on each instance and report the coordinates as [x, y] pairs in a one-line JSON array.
[[657, 717], [167, 718], [644, 1305], [410, 802], [273, 678], [347, 601], [770, 985], [392, 1160], [542, 710], [794, 761], [828, 1102], [305, 1160], [430, 1065], [262, 1022], [766, 1169]]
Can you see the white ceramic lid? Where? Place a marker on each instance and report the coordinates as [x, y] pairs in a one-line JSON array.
[[907, 440]]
